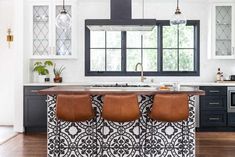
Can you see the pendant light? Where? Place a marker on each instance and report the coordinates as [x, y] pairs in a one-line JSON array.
[[63, 20], [178, 18]]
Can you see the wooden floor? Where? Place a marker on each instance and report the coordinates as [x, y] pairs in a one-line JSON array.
[[208, 145]]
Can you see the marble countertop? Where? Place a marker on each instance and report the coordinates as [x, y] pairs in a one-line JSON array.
[[192, 84], [115, 90]]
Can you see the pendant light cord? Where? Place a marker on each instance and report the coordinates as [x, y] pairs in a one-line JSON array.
[[63, 5], [143, 9], [177, 4]]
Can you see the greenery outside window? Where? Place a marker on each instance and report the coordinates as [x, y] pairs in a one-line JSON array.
[[165, 51]]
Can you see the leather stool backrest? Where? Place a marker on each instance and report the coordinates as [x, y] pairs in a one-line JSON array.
[[170, 107], [74, 108], [121, 108]]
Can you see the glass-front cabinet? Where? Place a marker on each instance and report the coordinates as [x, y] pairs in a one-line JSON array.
[[48, 40], [223, 37]]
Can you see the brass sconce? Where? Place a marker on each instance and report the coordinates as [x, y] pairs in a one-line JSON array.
[[10, 37]]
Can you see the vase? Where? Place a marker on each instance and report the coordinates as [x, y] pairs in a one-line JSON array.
[[58, 79], [41, 78]]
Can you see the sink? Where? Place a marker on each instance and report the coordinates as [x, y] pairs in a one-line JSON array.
[[119, 85]]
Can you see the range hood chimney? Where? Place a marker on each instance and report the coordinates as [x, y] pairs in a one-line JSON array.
[[121, 13]]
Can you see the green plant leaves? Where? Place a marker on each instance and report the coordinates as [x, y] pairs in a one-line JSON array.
[[41, 68]]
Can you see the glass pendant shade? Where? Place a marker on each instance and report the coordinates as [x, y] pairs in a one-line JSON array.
[[63, 20], [178, 18]]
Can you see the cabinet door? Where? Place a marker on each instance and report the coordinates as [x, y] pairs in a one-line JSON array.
[[222, 27], [63, 38], [41, 30], [35, 108]]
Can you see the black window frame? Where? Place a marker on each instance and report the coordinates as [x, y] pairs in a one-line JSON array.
[[160, 72]]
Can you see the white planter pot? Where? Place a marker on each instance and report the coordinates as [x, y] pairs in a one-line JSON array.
[[41, 78]]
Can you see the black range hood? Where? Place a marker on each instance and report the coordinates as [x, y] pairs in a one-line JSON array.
[[121, 13]]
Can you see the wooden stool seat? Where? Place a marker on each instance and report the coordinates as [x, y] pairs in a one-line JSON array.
[[74, 108], [121, 108], [170, 107]]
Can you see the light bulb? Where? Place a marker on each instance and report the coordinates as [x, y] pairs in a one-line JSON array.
[[178, 19], [63, 20]]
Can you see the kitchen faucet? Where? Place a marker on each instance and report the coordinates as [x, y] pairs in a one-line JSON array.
[[142, 71]]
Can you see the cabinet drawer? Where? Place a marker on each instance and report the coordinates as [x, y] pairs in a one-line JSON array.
[[213, 118], [213, 103], [231, 119], [28, 89], [215, 90]]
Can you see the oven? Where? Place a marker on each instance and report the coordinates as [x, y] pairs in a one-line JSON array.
[[231, 99]]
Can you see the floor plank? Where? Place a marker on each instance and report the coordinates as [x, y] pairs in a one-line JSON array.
[[207, 145]]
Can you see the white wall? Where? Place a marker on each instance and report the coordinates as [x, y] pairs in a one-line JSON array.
[[193, 9], [7, 64]]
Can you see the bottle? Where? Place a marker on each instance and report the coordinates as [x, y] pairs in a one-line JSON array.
[[222, 77], [218, 75]]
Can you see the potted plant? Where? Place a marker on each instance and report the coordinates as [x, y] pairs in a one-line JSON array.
[[57, 73], [41, 69]]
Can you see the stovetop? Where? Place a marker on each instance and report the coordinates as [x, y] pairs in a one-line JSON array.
[[120, 85]]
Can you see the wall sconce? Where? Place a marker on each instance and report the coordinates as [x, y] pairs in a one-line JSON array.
[[10, 37]]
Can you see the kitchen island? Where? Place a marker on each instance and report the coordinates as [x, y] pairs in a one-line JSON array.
[[99, 137]]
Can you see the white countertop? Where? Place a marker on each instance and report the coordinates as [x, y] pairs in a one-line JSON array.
[[194, 84]]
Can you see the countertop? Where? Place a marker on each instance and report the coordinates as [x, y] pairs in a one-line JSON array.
[[115, 90], [190, 84]]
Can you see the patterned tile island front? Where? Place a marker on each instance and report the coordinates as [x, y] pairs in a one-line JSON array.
[[102, 138]]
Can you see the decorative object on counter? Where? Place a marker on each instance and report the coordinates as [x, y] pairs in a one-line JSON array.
[[164, 88], [63, 20], [41, 69], [57, 73], [218, 75], [10, 37], [178, 18]]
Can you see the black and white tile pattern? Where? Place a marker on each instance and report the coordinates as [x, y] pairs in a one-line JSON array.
[[102, 138]]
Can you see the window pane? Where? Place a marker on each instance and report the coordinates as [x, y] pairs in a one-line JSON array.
[[150, 39], [97, 39], [114, 60], [133, 57], [113, 39], [133, 39], [186, 37], [170, 36], [170, 60], [97, 61], [150, 59], [186, 60]]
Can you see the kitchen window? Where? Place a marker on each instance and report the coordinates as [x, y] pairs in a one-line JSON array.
[[165, 51]]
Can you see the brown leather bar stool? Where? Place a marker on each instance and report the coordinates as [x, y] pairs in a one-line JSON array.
[[120, 108], [171, 108], [73, 108]]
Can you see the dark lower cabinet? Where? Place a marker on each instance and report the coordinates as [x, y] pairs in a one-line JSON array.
[[213, 118], [213, 110], [231, 119], [35, 110]]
